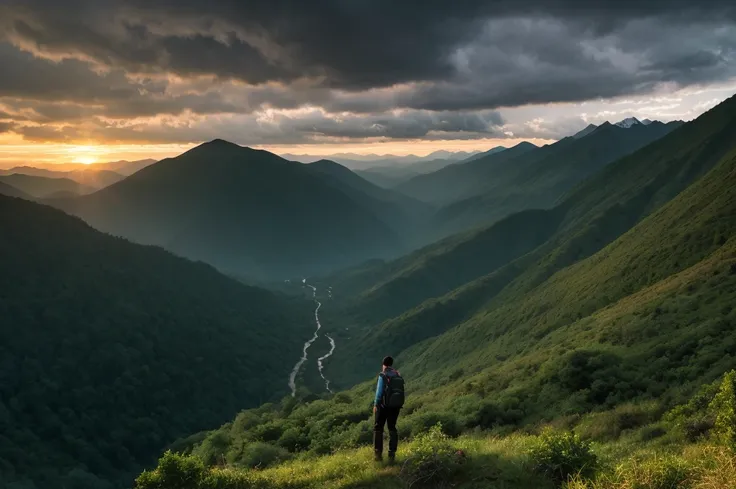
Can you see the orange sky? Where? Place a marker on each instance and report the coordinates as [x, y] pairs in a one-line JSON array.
[[16, 152]]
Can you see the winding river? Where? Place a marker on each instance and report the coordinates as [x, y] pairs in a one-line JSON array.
[[304, 357]]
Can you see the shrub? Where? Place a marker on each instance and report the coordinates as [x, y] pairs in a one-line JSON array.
[[432, 459], [609, 425], [174, 471], [421, 422], [652, 432], [260, 455], [668, 472], [294, 440], [724, 406], [562, 455], [213, 449]]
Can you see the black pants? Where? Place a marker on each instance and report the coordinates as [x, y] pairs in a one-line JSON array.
[[384, 416]]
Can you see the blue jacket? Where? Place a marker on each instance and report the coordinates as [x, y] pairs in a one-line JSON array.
[[389, 372]]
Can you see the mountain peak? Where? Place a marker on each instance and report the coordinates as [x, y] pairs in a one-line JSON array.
[[629, 122], [220, 143], [590, 128]]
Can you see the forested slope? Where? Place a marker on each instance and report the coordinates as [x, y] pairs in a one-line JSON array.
[[109, 351]]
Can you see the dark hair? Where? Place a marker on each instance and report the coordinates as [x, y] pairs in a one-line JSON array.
[[388, 361]]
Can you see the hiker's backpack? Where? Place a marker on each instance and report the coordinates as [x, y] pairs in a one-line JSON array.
[[393, 390]]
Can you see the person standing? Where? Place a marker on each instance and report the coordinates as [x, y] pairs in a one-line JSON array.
[[389, 400]]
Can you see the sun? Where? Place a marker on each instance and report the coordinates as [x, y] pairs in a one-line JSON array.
[[86, 160], [83, 154]]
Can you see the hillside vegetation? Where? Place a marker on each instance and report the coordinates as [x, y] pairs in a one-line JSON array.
[[541, 242], [109, 351], [627, 346]]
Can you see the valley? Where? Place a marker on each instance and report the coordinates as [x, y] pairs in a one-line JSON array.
[[320, 361]]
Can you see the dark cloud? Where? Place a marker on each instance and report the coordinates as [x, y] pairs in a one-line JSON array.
[[408, 125], [447, 66], [357, 44], [310, 127]]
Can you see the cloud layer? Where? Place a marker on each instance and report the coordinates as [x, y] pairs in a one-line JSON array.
[[290, 71]]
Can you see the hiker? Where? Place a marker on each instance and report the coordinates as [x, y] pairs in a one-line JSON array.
[[388, 402]]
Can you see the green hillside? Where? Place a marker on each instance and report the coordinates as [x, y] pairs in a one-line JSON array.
[[591, 216], [44, 186], [245, 211], [607, 345], [109, 351]]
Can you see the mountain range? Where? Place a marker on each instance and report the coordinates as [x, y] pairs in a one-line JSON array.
[[487, 189], [357, 161], [249, 212]]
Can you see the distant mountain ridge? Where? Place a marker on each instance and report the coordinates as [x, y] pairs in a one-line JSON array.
[[359, 161], [88, 176], [123, 167], [488, 189], [10, 191], [42, 187]]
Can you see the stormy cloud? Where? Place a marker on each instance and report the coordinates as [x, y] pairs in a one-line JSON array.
[[373, 69]]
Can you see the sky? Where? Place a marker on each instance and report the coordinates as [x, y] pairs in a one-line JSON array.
[[98, 80]]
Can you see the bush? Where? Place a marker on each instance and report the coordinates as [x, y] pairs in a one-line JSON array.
[[213, 449], [609, 425], [724, 406], [432, 459], [422, 422], [294, 440], [669, 472], [560, 456], [652, 432], [260, 455], [174, 471]]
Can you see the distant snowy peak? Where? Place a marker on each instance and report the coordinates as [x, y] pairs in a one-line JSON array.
[[632, 121]]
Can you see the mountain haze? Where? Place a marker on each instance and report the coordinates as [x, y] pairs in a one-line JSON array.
[[245, 211], [89, 176], [462, 180], [42, 187], [393, 207], [10, 191]]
